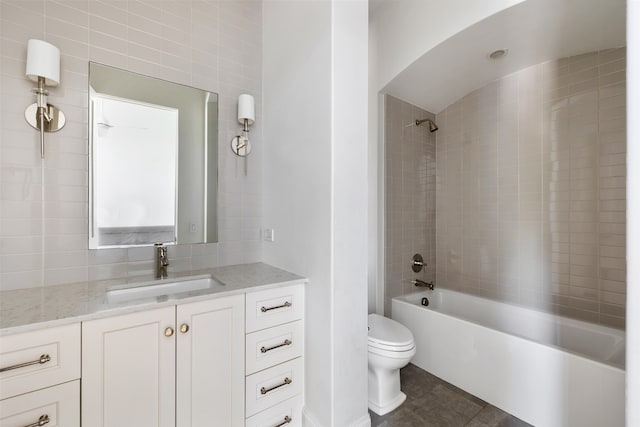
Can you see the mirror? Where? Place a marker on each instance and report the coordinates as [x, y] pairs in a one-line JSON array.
[[153, 168]]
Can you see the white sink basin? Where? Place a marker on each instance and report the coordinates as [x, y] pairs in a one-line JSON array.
[[159, 288]]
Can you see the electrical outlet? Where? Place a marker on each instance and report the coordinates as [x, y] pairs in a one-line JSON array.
[[269, 235], [193, 228]]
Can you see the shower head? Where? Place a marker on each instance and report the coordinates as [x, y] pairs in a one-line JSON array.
[[432, 125]]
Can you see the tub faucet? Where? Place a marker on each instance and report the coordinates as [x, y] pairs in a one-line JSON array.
[[162, 261], [419, 283]]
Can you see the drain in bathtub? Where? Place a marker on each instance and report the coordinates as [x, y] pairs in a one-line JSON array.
[[425, 301]]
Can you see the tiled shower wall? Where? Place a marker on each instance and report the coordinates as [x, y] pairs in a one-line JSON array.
[[213, 45], [531, 189], [410, 197]]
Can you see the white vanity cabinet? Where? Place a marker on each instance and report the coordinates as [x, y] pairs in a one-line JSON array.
[[179, 365], [39, 377], [227, 361]]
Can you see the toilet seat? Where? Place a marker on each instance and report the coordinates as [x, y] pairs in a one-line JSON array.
[[408, 353], [391, 347], [388, 335]]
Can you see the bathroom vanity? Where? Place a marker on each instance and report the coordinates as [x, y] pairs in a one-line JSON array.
[[228, 351]]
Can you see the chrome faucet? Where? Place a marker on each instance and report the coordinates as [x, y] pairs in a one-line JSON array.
[[419, 283], [162, 260]]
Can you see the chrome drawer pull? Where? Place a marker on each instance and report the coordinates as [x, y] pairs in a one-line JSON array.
[[265, 309], [267, 390], [44, 419], [42, 360], [287, 420], [265, 349]]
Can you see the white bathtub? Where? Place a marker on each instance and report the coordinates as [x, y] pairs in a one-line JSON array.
[[544, 369]]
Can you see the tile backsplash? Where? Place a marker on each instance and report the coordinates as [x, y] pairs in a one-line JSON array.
[[531, 189], [410, 197], [213, 45]]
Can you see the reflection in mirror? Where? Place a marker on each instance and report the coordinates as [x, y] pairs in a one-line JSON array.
[[153, 168], [135, 201]]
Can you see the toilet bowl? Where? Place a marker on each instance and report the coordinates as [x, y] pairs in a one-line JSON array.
[[391, 347]]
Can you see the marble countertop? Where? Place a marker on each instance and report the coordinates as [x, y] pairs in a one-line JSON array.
[[23, 310]]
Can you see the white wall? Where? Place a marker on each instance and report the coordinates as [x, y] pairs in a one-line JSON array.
[[409, 28], [349, 165], [376, 171], [314, 182], [297, 179], [372, 254], [633, 214]]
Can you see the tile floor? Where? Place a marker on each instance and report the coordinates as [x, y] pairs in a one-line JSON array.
[[433, 402]]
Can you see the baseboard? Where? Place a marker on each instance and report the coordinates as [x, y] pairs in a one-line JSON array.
[[309, 420], [364, 421]]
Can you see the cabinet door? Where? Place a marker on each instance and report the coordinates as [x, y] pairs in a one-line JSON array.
[[128, 370], [210, 363]]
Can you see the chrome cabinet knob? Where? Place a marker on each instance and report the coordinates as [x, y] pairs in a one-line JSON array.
[[184, 328], [168, 332]]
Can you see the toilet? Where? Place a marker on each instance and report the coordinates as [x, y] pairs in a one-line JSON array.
[[391, 347]]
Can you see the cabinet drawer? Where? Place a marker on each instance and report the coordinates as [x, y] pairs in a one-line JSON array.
[[60, 404], [285, 414], [39, 359], [269, 387], [273, 346], [274, 307]]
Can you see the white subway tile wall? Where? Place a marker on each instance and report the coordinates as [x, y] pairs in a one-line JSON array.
[[531, 189], [410, 199], [213, 45]]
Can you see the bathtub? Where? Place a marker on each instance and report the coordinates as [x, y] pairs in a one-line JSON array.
[[546, 370]]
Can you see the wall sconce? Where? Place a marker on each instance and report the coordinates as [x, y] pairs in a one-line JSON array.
[[240, 144], [43, 66]]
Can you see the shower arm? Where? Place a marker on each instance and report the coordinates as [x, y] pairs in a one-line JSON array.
[[432, 125]]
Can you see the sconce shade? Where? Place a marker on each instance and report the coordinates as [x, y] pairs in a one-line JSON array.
[[43, 60], [246, 108]]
